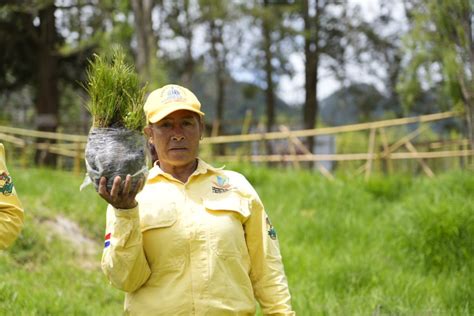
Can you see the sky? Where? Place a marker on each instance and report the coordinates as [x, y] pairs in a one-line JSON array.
[[291, 90]]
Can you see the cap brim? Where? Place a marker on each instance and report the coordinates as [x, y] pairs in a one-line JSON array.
[[159, 115]]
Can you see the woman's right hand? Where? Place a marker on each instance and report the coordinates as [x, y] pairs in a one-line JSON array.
[[122, 195]]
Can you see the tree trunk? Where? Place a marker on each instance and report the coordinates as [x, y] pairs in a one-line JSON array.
[[470, 124], [470, 105], [220, 62], [188, 72], [269, 91], [467, 82], [311, 26], [146, 41], [47, 105]]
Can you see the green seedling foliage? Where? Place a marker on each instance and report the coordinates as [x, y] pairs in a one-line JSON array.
[[116, 98]]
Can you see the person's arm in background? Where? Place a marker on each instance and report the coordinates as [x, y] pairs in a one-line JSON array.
[[266, 272], [11, 211], [123, 260]]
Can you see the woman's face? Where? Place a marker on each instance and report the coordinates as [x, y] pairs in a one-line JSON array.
[[176, 138]]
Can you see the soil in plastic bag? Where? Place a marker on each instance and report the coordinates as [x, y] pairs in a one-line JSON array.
[[112, 152]]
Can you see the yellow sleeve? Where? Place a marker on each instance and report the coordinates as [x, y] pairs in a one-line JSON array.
[[11, 211], [123, 259], [266, 272]]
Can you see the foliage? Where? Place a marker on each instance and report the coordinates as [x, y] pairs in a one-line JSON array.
[[116, 98], [440, 53]]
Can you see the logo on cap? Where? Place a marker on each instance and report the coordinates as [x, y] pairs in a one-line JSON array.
[[173, 94]]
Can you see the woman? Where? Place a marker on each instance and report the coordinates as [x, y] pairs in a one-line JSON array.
[[196, 240], [11, 211]]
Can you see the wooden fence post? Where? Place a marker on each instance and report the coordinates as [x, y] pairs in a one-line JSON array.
[[291, 145], [247, 147], [386, 151], [368, 166], [424, 165], [77, 159], [298, 143]]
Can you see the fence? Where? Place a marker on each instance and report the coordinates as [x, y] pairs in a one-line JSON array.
[[72, 146]]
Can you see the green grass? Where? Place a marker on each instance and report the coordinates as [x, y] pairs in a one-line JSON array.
[[390, 246], [44, 273]]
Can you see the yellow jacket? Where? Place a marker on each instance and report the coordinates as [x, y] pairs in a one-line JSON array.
[[205, 247], [11, 211]]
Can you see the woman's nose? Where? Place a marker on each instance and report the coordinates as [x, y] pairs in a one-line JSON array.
[[177, 138]]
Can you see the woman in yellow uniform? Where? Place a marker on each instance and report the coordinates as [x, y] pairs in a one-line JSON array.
[[196, 240], [11, 211]]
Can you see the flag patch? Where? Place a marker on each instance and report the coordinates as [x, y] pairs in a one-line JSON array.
[[107, 240]]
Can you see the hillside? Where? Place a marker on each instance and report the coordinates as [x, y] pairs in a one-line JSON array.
[[240, 97], [391, 246]]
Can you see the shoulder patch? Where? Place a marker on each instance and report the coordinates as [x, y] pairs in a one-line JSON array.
[[6, 183], [271, 230]]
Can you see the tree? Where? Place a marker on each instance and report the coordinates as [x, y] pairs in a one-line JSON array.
[[46, 46], [312, 28], [269, 53], [183, 17], [440, 50], [147, 63], [36, 46], [323, 33], [377, 48], [217, 17]]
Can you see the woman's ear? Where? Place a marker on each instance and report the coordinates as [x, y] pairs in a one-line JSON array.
[[148, 133]]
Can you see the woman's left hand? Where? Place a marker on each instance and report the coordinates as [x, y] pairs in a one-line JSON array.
[[120, 196]]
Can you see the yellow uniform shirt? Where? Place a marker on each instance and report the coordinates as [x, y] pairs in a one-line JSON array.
[[11, 211], [205, 247]]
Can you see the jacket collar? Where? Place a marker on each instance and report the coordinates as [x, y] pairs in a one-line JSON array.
[[202, 168]]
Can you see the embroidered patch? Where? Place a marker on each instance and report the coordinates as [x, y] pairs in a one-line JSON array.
[[107, 240], [271, 230], [221, 185], [6, 183]]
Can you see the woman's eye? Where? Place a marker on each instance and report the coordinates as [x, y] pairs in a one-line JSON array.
[[165, 125]]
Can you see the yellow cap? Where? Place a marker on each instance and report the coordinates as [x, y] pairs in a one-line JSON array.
[[164, 101]]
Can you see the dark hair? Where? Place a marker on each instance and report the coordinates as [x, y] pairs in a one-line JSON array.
[[153, 153]]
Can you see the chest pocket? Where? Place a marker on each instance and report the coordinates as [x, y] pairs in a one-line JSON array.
[[157, 216], [224, 218]]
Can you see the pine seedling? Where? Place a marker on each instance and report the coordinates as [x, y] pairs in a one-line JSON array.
[[116, 98]]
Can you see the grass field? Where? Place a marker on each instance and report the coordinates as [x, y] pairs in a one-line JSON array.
[[390, 246]]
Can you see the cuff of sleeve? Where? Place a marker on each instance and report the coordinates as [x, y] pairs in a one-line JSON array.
[[126, 213]]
